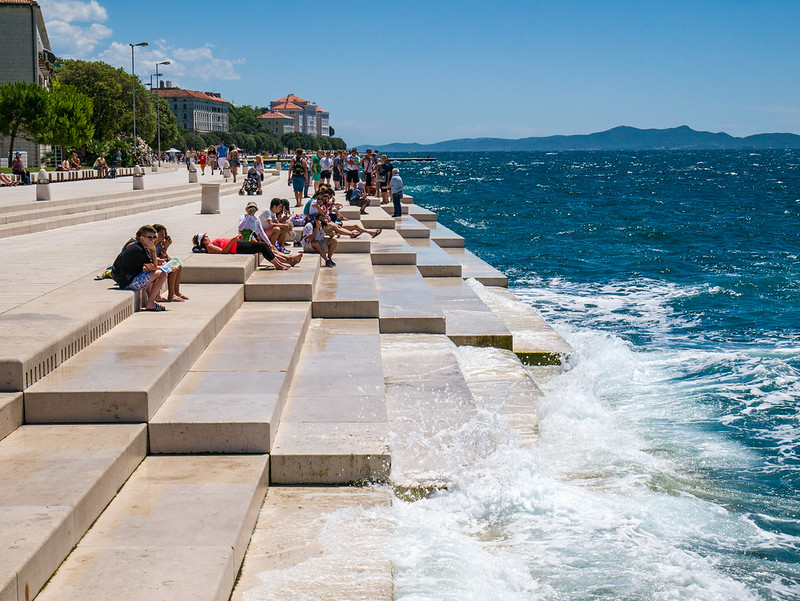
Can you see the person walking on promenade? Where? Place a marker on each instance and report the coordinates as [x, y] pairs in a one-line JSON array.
[[316, 170], [383, 175], [258, 165], [202, 159], [326, 164], [234, 161], [368, 164], [352, 171], [222, 155], [212, 158], [338, 170], [396, 184], [307, 159], [298, 176]]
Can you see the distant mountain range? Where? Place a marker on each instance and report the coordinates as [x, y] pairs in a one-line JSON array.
[[618, 138]]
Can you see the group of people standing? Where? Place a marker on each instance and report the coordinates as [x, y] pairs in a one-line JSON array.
[[358, 176]]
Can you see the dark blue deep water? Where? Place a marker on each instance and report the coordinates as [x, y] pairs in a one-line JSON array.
[[674, 275]]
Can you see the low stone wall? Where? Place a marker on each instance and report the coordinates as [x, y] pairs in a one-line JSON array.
[[73, 176]]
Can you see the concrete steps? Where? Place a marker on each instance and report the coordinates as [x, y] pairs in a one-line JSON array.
[[498, 381], [204, 268], [433, 260], [427, 399], [126, 374], [473, 267], [41, 217], [320, 543], [333, 429], [295, 284], [232, 398], [534, 341], [376, 217], [177, 530], [54, 482], [443, 236], [469, 320], [10, 412], [410, 228], [405, 301], [45, 332], [347, 290], [390, 248]]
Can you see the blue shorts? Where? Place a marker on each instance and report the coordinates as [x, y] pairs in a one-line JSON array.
[[139, 282], [298, 183]]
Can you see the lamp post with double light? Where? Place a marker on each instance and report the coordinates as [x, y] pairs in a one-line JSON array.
[[158, 108], [133, 85]]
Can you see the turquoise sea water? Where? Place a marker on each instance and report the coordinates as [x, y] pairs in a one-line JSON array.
[[668, 462]]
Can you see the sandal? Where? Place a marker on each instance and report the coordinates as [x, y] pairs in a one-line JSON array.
[[378, 233], [157, 308]]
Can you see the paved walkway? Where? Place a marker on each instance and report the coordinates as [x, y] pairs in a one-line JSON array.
[[34, 264]]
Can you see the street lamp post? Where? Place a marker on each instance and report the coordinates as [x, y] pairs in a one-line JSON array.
[[158, 108], [133, 85]]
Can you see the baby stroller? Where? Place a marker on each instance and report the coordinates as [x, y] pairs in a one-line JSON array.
[[251, 182]]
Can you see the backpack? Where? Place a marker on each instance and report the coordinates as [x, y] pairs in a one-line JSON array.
[[298, 170]]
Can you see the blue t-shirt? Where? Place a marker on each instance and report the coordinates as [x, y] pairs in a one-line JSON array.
[[222, 152]]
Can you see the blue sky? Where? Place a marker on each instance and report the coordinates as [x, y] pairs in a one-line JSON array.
[[418, 71]]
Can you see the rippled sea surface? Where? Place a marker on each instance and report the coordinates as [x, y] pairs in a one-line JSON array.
[[668, 462]]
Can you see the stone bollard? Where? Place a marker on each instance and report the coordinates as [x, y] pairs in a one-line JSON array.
[[192, 174], [138, 178], [154, 168], [226, 171], [209, 201], [278, 167], [42, 185]]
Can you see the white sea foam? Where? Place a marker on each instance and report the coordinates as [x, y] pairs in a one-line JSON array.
[[619, 497]]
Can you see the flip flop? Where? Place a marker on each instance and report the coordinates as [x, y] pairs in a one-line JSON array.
[[378, 233]]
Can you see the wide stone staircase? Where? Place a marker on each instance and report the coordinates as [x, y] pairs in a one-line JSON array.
[[137, 449]]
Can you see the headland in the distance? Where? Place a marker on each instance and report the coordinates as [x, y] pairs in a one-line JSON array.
[[618, 138]]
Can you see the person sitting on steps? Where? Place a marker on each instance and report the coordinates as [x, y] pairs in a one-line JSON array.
[[314, 239], [237, 246], [136, 267]]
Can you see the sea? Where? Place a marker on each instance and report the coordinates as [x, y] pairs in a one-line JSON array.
[[667, 461]]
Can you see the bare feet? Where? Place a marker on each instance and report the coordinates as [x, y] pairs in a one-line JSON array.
[[175, 299]]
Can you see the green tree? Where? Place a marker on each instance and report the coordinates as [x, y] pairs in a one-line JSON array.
[[338, 144], [193, 141], [69, 118], [23, 110], [331, 131], [111, 92], [295, 139], [170, 133]]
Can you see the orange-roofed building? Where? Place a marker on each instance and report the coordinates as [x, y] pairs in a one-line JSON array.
[[277, 123], [308, 117], [198, 112]]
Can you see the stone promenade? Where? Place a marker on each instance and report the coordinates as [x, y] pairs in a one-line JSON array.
[[199, 453]]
